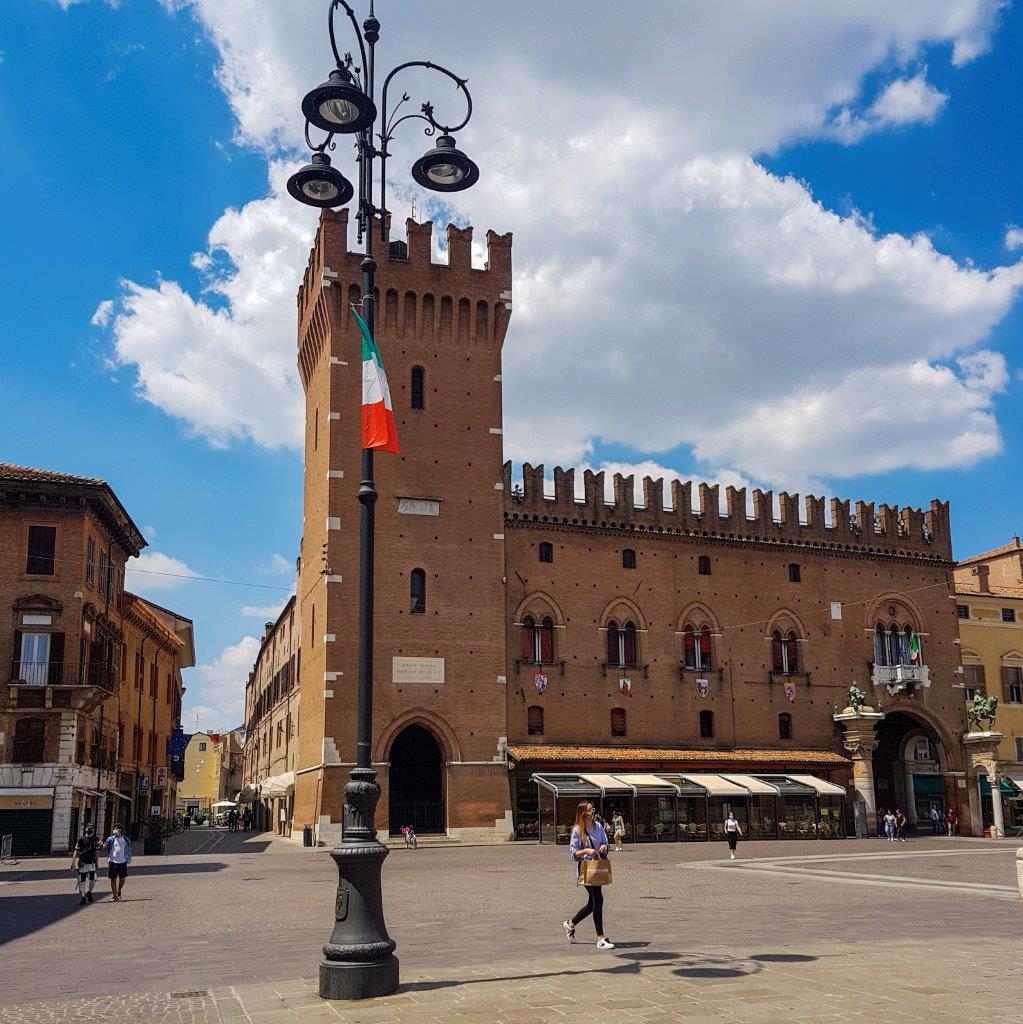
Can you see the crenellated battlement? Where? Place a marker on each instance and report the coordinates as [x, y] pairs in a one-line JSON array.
[[853, 526], [415, 296]]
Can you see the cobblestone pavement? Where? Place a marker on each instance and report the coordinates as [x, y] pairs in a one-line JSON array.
[[227, 928]]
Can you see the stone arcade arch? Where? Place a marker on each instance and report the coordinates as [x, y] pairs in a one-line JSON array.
[[910, 766]]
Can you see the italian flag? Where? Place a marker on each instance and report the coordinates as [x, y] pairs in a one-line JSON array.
[[914, 650], [378, 429]]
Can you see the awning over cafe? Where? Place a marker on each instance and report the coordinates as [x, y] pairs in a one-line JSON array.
[[757, 787], [661, 760], [716, 785], [608, 783], [822, 787]]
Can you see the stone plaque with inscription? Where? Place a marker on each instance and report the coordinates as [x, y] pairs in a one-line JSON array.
[[418, 507], [417, 670]]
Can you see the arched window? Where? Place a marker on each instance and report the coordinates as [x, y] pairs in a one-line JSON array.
[[417, 592], [707, 725], [546, 551], [621, 644], [897, 645], [538, 640], [703, 565], [618, 722], [785, 726], [416, 397], [628, 559], [785, 653], [534, 720], [697, 647], [794, 574], [613, 636], [29, 740], [690, 647]]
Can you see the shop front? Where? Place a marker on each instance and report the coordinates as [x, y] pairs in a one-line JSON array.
[[668, 795], [684, 807]]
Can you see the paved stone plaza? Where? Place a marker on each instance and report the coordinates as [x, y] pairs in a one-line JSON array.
[[227, 928]]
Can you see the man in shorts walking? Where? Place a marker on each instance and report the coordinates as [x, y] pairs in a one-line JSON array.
[[118, 858], [83, 860]]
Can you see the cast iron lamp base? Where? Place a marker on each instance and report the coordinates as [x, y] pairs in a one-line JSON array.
[[359, 961]]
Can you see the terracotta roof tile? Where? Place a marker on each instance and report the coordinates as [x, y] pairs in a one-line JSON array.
[[559, 753], [9, 471]]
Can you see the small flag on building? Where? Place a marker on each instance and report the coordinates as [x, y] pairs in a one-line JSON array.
[[790, 691], [914, 650], [625, 685], [378, 429], [702, 687]]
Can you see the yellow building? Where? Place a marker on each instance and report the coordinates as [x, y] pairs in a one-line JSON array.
[[201, 786], [989, 603]]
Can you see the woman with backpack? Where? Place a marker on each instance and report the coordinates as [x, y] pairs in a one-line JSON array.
[[588, 843]]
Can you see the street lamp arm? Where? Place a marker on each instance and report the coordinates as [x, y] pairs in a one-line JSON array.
[[427, 107], [364, 70], [327, 143]]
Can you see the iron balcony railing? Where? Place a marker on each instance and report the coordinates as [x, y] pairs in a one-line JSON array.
[[63, 673]]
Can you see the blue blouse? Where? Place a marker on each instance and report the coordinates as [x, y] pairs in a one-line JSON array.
[[596, 837]]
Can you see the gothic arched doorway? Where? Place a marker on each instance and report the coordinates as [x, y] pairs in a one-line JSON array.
[[416, 782], [908, 766]]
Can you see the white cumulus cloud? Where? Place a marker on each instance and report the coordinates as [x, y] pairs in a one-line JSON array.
[[153, 570], [216, 690], [1013, 238]]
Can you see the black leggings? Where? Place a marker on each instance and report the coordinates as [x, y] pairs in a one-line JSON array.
[[594, 906]]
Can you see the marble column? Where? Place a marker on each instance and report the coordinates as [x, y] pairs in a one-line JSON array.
[[982, 758], [860, 740]]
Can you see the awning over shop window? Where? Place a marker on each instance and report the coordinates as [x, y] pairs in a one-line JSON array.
[[1017, 781], [716, 785], [566, 785], [608, 783], [820, 785], [650, 785], [757, 787], [1005, 787]]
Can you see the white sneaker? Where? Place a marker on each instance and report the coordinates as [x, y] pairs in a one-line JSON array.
[[605, 944], [569, 930]]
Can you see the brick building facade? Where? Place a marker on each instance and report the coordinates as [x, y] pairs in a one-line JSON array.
[[93, 685], [520, 632], [270, 755]]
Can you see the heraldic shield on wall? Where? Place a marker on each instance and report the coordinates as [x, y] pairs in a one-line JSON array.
[[540, 681]]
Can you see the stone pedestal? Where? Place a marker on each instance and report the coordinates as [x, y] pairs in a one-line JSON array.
[[859, 725], [982, 759]]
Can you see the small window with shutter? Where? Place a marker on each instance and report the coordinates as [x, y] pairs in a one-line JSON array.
[[1012, 684], [628, 559], [1008, 615], [707, 725], [973, 678], [546, 551]]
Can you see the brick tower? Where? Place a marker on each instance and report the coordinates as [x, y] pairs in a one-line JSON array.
[[439, 704]]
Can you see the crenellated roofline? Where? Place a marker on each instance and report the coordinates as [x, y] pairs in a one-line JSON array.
[[910, 532]]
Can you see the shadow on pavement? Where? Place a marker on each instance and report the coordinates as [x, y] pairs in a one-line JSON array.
[[148, 867], [694, 966]]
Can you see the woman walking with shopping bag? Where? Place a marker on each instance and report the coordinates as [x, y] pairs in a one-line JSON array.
[[588, 848]]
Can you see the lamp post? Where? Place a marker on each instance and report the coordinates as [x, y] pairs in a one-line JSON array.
[[359, 959]]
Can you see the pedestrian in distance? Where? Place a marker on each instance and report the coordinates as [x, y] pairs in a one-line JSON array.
[[900, 826], [733, 832], [83, 861], [232, 820], [935, 821], [119, 855], [618, 828], [889, 826], [588, 843], [951, 821]]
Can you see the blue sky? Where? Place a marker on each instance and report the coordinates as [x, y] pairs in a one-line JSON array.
[[133, 130]]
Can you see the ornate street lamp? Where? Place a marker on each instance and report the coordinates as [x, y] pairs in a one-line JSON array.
[[358, 959]]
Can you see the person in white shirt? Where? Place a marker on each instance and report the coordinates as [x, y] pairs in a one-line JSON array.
[[733, 830], [119, 857]]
